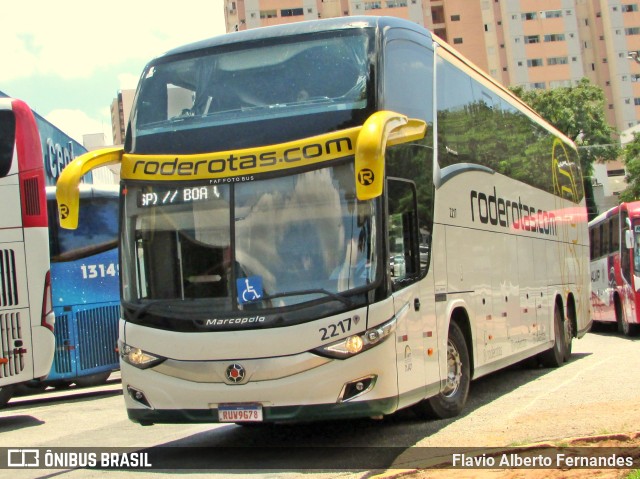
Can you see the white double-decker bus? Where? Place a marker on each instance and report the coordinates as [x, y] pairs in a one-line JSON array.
[[331, 219], [26, 313]]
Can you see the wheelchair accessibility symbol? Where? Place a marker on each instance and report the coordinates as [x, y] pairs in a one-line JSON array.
[[249, 289]]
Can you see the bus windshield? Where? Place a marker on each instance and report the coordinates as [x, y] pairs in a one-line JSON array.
[[255, 245], [322, 80]]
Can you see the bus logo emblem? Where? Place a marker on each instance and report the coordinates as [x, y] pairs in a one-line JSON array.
[[64, 211], [235, 373], [365, 177]]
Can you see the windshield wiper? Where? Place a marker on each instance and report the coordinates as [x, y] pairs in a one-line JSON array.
[[302, 292]]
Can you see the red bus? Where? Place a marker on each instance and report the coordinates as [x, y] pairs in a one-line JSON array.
[[615, 267], [26, 311]]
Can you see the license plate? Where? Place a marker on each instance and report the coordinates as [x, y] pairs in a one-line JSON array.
[[239, 412]]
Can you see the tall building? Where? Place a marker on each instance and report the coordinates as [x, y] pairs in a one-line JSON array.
[[120, 110], [529, 43]]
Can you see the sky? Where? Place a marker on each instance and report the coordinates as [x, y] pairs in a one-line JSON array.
[[68, 59]]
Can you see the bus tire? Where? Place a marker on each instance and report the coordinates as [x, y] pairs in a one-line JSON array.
[[93, 380], [623, 325], [6, 393], [451, 401], [555, 356]]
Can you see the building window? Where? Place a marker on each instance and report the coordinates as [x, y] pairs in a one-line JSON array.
[[455, 18], [632, 31], [396, 3], [457, 41], [534, 62], [554, 37], [291, 12], [529, 16], [633, 7], [538, 86], [557, 61], [532, 39], [551, 14], [635, 78], [268, 13]]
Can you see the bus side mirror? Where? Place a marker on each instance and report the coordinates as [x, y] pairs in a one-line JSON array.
[[67, 193], [382, 129], [628, 238]]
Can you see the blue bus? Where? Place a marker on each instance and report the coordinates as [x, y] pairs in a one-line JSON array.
[[83, 268], [85, 289]]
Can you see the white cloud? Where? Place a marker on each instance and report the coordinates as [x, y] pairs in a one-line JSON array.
[[128, 81], [68, 40], [76, 123]]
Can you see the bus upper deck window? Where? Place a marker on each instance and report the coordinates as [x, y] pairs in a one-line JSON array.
[[7, 139]]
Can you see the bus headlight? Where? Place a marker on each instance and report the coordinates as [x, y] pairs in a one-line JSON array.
[[139, 358], [352, 345]]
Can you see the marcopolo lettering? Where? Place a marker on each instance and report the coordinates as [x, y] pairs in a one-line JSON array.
[[231, 321], [510, 213], [234, 163]]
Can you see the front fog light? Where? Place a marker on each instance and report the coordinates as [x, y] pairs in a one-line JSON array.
[[139, 358]]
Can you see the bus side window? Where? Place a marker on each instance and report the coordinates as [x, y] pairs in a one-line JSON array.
[[7, 140], [404, 255]]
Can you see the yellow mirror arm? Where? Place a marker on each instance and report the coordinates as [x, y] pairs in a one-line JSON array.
[[381, 129], [67, 192]]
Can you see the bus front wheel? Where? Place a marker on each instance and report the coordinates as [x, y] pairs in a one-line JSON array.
[[624, 327], [6, 393], [451, 400]]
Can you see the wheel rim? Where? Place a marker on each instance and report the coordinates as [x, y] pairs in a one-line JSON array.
[[454, 370]]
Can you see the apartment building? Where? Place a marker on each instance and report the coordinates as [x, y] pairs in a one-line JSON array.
[[120, 110], [530, 43]]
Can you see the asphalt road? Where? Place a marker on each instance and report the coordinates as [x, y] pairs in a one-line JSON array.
[[596, 392]]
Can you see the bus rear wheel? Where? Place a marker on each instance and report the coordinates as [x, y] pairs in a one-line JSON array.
[[561, 349], [451, 400]]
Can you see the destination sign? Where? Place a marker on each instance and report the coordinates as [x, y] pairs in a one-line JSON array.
[[161, 196]]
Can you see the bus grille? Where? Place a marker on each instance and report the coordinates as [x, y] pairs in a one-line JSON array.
[[62, 360], [13, 349], [8, 279], [32, 197], [98, 336]]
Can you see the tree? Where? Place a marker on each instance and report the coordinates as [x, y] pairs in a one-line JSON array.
[[631, 156], [579, 113]]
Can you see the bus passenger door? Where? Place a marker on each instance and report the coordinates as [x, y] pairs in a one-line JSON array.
[[415, 313]]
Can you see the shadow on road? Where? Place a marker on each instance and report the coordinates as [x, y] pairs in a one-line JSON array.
[[13, 423]]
